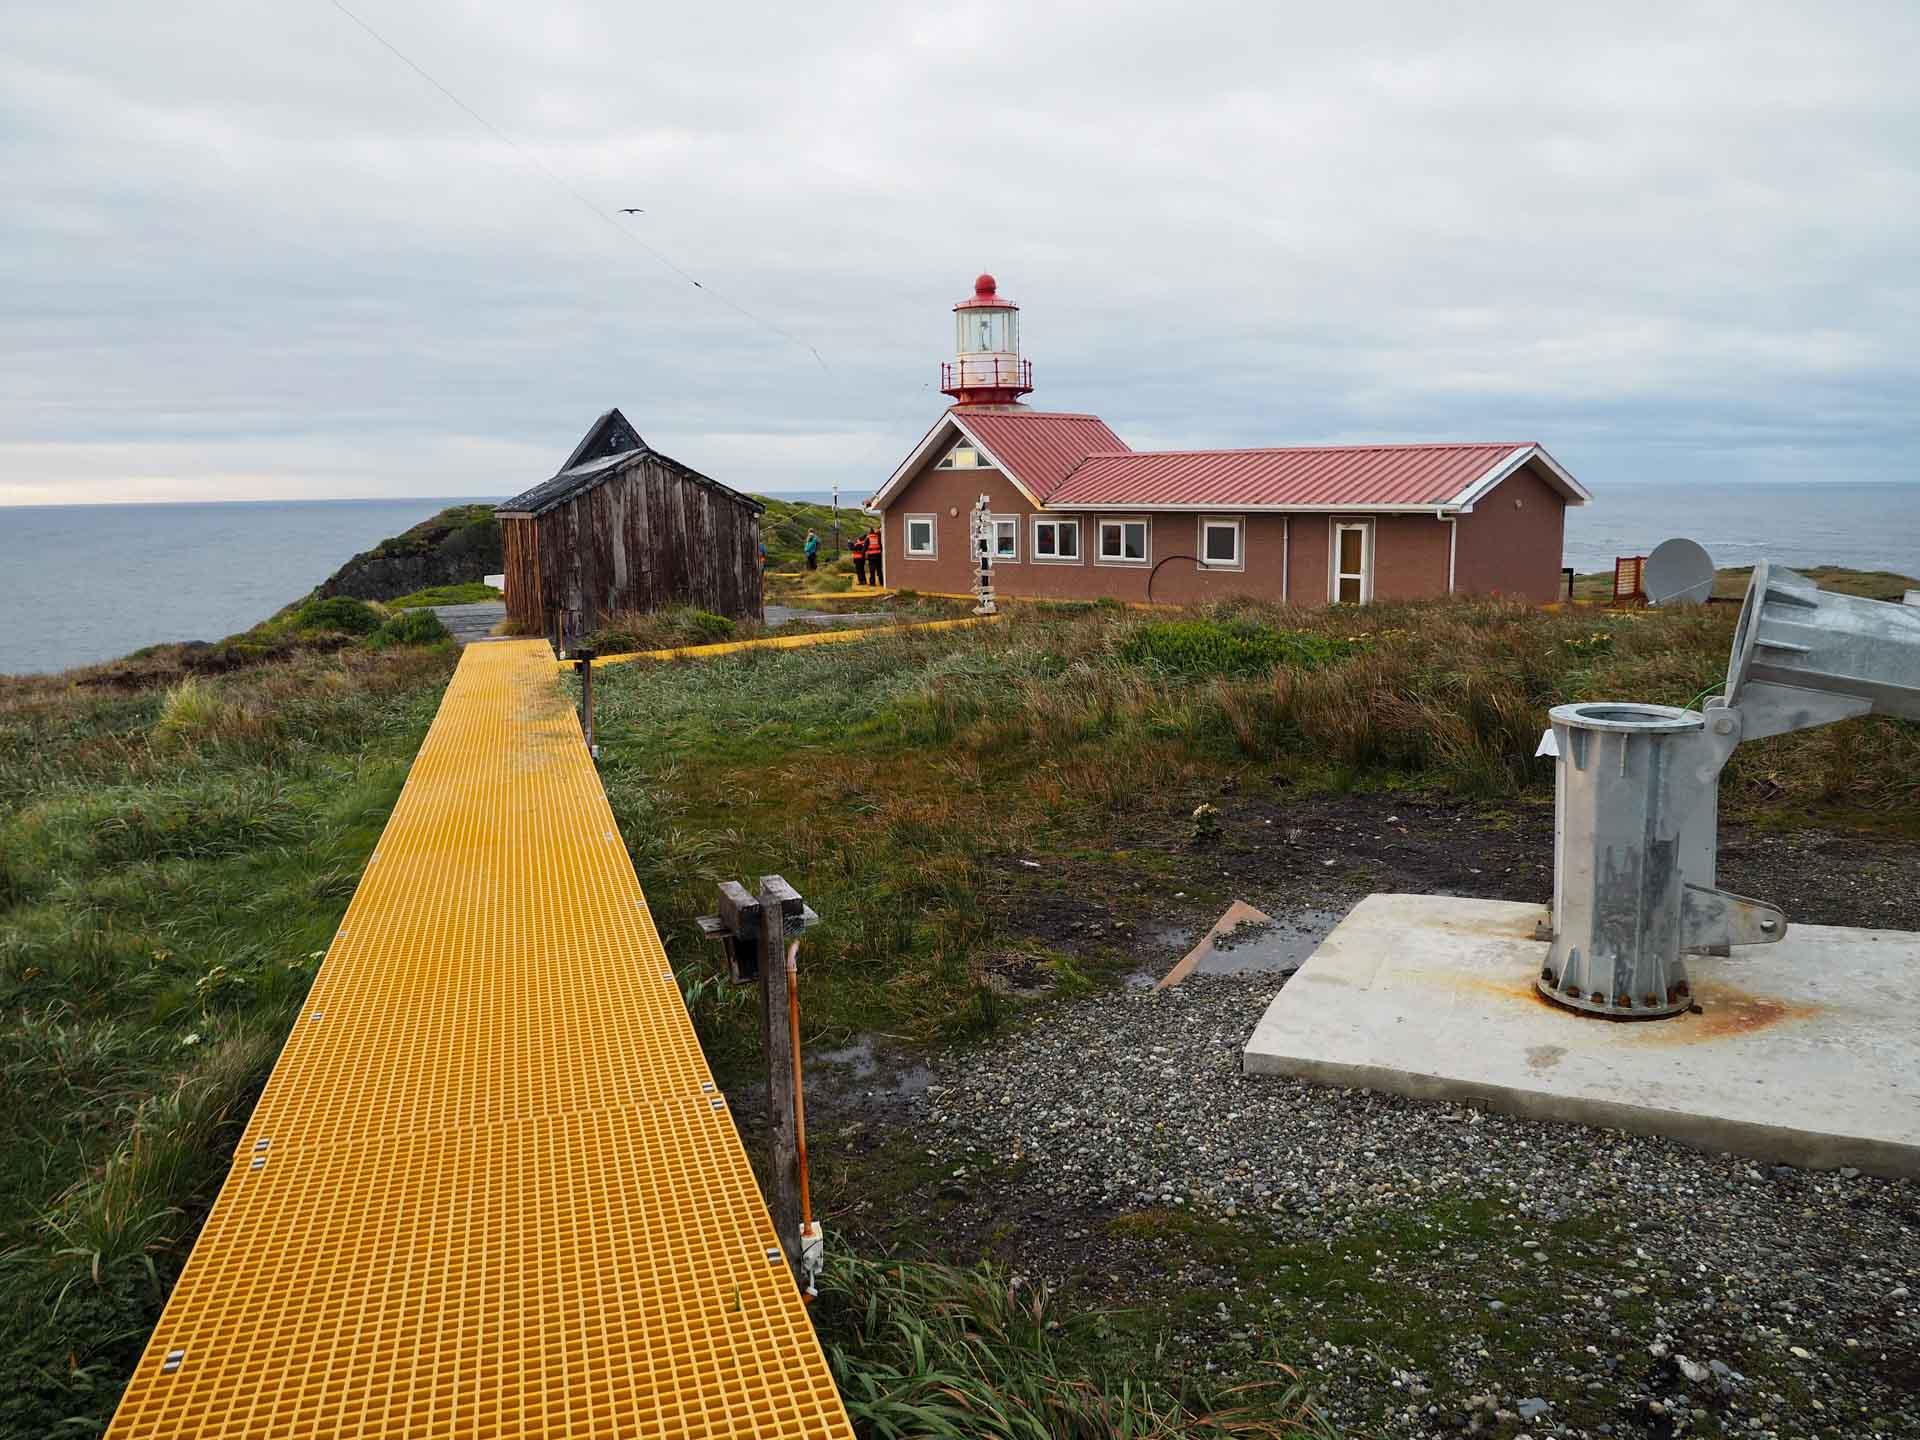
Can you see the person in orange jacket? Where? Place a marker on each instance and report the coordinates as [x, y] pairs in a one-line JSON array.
[[873, 557], [858, 549]]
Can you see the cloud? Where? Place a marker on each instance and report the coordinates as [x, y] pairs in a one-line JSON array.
[[247, 252]]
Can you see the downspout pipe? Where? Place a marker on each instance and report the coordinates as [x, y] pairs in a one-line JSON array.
[[1286, 559], [1452, 520]]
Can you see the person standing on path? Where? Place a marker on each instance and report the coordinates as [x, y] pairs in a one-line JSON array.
[[873, 557], [813, 551], [858, 549]]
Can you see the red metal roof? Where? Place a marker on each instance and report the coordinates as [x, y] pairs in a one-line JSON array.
[[1039, 447], [1331, 475]]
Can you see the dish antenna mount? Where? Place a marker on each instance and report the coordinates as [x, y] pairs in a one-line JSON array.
[[1678, 572]]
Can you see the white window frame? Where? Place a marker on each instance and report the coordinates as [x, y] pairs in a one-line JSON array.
[[1334, 573], [1235, 523], [932, 552], [1013, 521], [1100, 556], [1057, 521], [948, 462]]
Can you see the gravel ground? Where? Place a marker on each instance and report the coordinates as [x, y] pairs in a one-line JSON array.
[[1441, 1271]]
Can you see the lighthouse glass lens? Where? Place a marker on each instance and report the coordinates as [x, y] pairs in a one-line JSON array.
[[982, 331]]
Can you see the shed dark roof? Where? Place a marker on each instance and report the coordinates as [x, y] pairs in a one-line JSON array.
[[611, 432]]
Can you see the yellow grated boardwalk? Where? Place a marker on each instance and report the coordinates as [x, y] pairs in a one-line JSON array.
[[490, 1189]]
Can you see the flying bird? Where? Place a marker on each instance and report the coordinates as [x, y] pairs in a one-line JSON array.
[[633, 210]]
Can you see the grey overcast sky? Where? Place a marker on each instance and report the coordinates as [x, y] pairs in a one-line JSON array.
[[245, 252]]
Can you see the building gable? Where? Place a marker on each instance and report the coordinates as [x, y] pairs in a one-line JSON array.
[[611, 434]]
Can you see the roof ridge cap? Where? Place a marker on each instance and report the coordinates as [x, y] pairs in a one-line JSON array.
[[1287, 449]]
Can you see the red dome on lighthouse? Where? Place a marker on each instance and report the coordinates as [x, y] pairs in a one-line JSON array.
[[986, 293]]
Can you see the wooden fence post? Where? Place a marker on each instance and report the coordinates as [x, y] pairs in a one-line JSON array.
[[583, 658], [780, 908]]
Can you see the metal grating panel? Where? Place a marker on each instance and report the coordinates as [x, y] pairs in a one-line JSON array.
[[489, 1190]]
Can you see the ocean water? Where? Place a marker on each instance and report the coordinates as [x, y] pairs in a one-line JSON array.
[[1863, 526], [90, 582], [80, 583]]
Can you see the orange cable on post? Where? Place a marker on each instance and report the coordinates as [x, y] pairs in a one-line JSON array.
[[799, 1097]]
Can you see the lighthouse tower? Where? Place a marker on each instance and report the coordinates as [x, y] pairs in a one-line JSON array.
[[986, 368]]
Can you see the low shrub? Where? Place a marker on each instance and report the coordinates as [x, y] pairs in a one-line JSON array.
[[338, 613], [409, 627], [470, 592], [704, 627], [1227, 647], [636, 630]]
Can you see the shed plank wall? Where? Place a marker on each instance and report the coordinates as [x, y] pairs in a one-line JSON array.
[[520, 546], [644, 540]]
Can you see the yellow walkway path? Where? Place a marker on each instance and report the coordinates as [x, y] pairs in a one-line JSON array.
[[490, 1189]]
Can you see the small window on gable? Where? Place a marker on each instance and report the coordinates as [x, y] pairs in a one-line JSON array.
[[962, 457]]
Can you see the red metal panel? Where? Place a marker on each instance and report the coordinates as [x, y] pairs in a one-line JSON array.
[[1038, 447], [1357, 475]]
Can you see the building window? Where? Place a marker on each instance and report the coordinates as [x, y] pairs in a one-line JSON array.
[[1056, 540], [920, 535], [1352, 563], [962, 457], [1123, 542], [1006, 538], [1221, 542]]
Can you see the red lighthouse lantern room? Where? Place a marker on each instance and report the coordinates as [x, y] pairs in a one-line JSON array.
[[986, 368]]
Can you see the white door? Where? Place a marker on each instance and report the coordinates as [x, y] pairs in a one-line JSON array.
[[1353, 563]]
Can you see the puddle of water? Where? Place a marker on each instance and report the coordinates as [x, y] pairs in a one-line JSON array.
[[861, 1063], [1276, 949]]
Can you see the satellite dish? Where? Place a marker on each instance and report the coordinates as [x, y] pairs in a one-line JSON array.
[[1678, 572]]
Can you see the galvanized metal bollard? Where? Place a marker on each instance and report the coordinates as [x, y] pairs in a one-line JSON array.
[[1626, 893]]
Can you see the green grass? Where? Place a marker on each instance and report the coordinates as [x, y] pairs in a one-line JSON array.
[[473, 592], [921, 1349], [888, 778], [173, 861]]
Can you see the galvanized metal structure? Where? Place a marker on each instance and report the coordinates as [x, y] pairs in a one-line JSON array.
[[491, 1188], [1636, 798]]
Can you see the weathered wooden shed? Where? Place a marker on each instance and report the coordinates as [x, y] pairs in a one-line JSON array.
[[623, 527]]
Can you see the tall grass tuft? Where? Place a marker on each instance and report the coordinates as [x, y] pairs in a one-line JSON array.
[[926, 1350], [197, 713]]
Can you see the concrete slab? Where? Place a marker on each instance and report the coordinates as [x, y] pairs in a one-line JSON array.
[[1807, 1051]]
